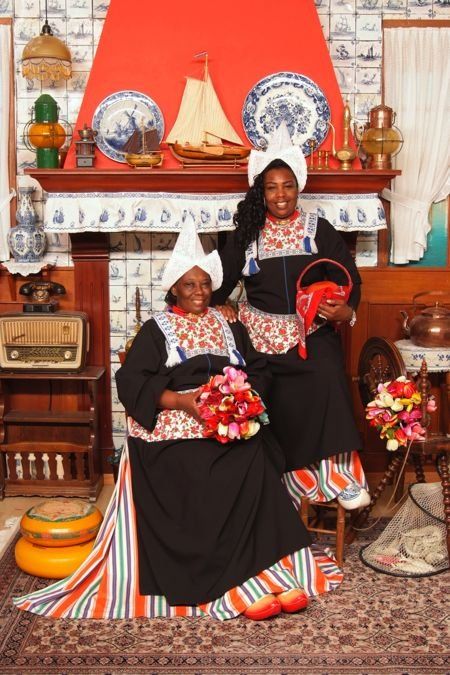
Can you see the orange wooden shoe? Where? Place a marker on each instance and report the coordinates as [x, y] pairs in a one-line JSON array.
[[293, 601], [268, 606]]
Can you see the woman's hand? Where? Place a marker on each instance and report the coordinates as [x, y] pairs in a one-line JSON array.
[[228, 311], [188, 403], [335, 310]]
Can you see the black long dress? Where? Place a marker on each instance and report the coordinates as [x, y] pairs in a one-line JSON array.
[[310, 405], [209, 516]]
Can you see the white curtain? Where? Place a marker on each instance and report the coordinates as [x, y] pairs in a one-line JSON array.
[[417, 77], [5, 194]]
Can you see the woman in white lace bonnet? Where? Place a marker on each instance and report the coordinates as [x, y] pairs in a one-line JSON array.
[[310, 406]]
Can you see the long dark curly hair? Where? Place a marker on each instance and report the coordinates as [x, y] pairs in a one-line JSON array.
[[251, 212]]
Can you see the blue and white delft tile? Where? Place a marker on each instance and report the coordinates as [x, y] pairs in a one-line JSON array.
[[117, 272], [25, 30], [345, 78], [342, 6], [118, 442], [162, 244], [117, 245], [58, 26], [325, 25], [79, 8], [158, 299], [367, 250], [80, 32], [118, 323], [6, 7], [368, 27], [78, 81], [27, 88], [157, 270], [368, 80], [117, 298], [138, 273], [118, 423], [366, 6], [139, 245], [100, 8], [145, 299], [26, 8], [322, 6], [342, 52], [342, 26], [364, 103], [56, 241], [73, 106], [82, 57], [368, 53], [26, 159], [146, 314], [441, 8], [117, 344], [54, 8], [115, 402], [98, 29], [144, 295], [394, 8]]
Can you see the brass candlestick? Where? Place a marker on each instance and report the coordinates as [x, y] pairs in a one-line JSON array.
[[312, 144]]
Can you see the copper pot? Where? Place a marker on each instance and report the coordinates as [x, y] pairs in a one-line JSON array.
[[430, 328]]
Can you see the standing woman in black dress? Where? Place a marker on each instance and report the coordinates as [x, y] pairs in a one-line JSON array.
[[310, 405]]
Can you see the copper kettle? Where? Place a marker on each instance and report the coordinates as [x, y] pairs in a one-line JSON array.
[[430, 328]]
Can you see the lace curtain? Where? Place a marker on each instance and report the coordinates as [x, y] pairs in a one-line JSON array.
[[417, 76], [5, 194]]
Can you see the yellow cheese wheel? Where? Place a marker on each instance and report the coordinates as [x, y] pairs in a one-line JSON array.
[[50, 563], [61, 522]]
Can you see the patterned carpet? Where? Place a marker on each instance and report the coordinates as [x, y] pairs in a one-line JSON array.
[[373, 624]]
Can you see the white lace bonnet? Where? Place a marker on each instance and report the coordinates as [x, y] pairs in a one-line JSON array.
[[279, 147], [188, 253]]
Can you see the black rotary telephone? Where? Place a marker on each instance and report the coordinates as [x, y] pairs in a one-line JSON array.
[[40, 293]]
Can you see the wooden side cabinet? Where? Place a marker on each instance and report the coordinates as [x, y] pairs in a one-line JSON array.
[[48, 451]]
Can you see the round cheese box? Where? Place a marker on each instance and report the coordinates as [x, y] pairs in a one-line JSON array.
[[61, 522], [50, 562]]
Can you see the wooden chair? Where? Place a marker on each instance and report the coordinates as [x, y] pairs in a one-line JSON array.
[[313, 516]]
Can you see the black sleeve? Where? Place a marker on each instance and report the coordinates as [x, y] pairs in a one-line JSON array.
[[330, 244], [259, 374], [140, 381], [233, 261]]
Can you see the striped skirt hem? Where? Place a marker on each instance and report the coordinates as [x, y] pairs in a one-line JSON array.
[[106, 585]]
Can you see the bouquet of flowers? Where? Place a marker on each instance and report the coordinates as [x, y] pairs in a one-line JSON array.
[[396, 412], [232, 410]]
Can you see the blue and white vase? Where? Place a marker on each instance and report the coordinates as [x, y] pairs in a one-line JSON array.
[[26, 240]]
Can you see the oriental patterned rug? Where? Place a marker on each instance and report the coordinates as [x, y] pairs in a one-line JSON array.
[[373, 624]]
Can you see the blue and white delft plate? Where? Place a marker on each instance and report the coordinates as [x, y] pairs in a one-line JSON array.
[[293, 98], [119, 115]]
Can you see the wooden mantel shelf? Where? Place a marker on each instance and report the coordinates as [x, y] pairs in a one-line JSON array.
[[203, 180]]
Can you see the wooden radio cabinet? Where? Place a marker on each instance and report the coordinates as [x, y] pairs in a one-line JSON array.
[[49, 450]]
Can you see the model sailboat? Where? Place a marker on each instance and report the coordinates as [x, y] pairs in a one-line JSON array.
[[202, 127]]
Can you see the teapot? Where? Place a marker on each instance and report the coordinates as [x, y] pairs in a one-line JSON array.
[[430, 328]]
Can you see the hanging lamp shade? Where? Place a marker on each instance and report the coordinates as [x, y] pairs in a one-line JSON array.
[[45, 57]]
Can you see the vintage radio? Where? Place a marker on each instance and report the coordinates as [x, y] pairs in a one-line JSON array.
[[46, 342]]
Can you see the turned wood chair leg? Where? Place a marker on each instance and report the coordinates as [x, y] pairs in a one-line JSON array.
[[445, 481], [340, 534], [390, 472], [418, 467]]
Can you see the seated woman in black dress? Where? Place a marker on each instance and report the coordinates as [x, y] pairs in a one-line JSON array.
[[196, 527]]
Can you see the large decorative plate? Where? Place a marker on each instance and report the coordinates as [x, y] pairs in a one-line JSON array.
[[293, 98], [119, 115]]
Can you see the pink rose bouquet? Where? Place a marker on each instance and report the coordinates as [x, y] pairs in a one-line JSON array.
[[396, 412], [231, 409]]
